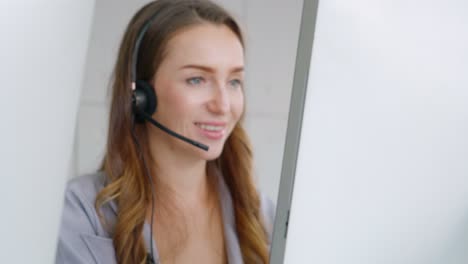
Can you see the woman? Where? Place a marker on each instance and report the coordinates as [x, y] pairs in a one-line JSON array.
[[157, 198]]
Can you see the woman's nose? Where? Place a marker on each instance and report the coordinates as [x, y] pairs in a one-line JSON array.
[[219, 102]]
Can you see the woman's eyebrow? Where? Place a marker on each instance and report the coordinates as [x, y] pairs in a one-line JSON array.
[[238, 69], [209, 69]]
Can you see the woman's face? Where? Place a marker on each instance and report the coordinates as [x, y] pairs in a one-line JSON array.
[[199, 86]]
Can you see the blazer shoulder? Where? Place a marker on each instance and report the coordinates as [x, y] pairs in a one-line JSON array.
[[79, 212], [86, 186]]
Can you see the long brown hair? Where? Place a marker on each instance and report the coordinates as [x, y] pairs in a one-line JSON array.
[[122, 164]]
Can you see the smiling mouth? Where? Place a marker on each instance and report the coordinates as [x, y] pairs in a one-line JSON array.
[[214, 128], [212, 131]]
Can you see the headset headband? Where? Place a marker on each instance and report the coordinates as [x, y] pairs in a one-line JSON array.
[[136, 48]]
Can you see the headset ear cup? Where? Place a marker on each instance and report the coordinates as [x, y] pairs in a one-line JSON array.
[[144, 100]]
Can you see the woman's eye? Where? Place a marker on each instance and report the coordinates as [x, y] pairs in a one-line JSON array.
[[236, 83], [195, 80]]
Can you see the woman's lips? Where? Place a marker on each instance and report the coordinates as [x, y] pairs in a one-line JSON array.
[[212, 130]]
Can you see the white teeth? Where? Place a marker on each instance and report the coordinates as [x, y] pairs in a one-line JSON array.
[[210, 128]]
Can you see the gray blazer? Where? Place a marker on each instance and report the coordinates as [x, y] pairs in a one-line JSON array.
[[82, 238]]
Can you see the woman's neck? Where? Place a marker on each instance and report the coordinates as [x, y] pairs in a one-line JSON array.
[[182, 180], [188, 183]]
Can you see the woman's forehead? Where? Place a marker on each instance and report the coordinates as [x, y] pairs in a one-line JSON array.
[[205, 45]]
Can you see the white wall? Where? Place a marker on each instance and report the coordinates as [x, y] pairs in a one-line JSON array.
[[42, 55], [382, 173], [272, 29]]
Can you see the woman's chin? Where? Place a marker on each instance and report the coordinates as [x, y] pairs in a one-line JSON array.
[[211, 154]]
